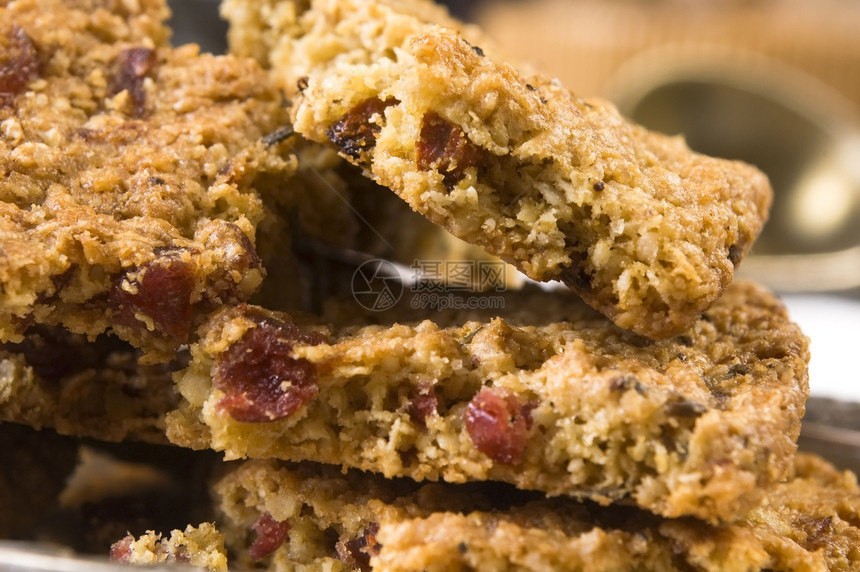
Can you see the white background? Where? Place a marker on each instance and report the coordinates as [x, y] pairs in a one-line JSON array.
[[833, 326]]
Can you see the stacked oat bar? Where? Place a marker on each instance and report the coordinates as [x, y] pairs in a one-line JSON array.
[[155, 288]]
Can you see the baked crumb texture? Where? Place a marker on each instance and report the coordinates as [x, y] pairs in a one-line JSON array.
[[562, 187], [694, 425], [314, 518], [132, 174], [197, 546]]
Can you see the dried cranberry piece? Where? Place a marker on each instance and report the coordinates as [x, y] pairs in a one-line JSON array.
[[135, 64], [357, 551], [19, 65], [354, 133], [120, 551], [261, 380], [161, 291], [498, 424], [444, 146], [423, 404], [271, 534]]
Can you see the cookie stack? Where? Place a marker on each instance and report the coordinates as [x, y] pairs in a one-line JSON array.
[[640, 413]]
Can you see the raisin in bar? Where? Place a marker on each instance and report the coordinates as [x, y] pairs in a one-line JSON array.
[[283, 517], [132, 174], [564, 188], [693, 425]]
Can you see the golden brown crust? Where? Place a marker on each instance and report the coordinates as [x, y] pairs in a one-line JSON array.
[[694, 425], [564, 188], [131, 173]]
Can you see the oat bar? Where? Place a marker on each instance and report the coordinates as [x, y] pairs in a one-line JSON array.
[[132, 174], [562, 187], [286, 517], [694, 425]]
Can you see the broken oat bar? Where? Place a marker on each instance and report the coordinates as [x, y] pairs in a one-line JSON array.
[[285, 517], [699, 424], [562, 187], [132, 174]]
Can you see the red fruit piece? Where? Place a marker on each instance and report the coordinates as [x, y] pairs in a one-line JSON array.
[[271, 534], [19, 64], [260, 378], [159, 291], [498, 424]]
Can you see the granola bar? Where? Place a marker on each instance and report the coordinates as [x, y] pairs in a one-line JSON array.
[[132, 174], [285, 517], [693, 425], [562, 187]]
